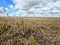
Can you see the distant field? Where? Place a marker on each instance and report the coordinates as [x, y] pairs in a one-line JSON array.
[[29, 31]]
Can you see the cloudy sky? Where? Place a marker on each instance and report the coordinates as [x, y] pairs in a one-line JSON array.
[[34, 8]]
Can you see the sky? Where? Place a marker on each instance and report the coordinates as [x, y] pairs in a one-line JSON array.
[[30, 8]]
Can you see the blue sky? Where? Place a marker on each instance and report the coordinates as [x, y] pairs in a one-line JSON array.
[[6, 3], [32, 8]]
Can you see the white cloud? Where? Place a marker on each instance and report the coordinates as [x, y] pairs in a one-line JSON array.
[[38, 7], [26, 4], [11, 6], [3, 11]]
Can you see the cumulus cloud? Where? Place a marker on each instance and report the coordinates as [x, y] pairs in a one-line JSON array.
[[11, 6], [26, 4], [3, 11], [38, 7]]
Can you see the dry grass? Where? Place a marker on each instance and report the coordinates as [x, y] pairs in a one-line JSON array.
[[29, 31]]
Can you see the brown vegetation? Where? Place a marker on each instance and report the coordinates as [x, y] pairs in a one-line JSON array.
[[29, 31]]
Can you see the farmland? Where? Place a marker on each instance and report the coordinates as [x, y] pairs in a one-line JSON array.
[[29, 31]]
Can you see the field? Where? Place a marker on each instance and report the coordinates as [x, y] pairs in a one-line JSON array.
[[29, 31]]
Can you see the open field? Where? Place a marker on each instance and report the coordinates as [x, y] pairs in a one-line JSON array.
[[29, 31]]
